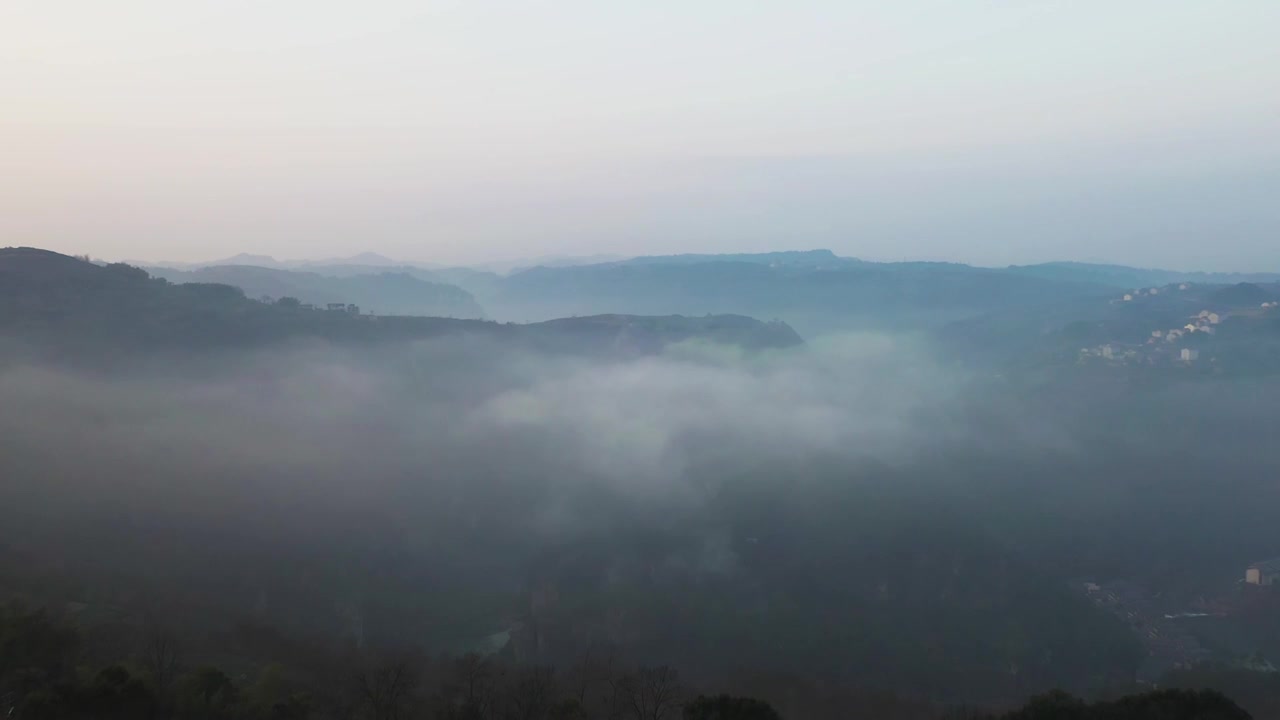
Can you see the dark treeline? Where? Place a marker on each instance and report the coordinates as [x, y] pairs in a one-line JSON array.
[[71, 310], [51, 670]]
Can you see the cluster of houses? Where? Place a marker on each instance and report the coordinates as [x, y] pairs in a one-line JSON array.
[[1204, 322], [1110, 351], [1129, 296], [331, 307]]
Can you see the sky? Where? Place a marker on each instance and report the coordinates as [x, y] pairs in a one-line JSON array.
[[992, 132]]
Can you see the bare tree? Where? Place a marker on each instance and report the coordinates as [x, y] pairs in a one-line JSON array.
[[385, 686], [652, 693], [531, 694], [470, 693], [161, 659], [594, 671]]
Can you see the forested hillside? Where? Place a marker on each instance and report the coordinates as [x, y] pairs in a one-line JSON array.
[[72, 306], [378, 293]]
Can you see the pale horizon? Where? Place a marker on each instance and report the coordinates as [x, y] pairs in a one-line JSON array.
[[1137, 133]]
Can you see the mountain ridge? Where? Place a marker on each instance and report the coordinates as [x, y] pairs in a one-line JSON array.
[[75, 306]]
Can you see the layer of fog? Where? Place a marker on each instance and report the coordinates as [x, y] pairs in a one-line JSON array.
[[311, 421], [459, 466], [431, 450]]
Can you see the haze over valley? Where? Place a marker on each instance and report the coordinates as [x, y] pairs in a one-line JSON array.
[[639, 361], [932, 493]]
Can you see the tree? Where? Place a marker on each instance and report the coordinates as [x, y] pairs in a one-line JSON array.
[[385, 686], [270, 690], [725, 707], [1056, 705], [35, 652], [116, 694], [594, 671], [161, 659], [531, 694], [569, 709], [1160, 705], [206, 693], [295, 707], [652, 693], [470, 690], [1172, 705]]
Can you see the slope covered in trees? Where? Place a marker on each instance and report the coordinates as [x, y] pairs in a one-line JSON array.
[[380, 293], [52, 670], [78, 308]]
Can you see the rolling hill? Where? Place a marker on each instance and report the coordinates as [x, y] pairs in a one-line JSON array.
[[380, 293], [72, 306]]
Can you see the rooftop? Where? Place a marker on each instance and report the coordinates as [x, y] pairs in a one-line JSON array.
[[1267, 566]]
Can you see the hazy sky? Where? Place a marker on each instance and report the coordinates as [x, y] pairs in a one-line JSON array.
[[984, 131]]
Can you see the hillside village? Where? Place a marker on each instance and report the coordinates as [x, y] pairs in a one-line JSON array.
[[1152, 326]]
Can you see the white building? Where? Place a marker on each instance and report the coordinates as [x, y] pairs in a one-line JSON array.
[[1263, 574], [1189, 355]]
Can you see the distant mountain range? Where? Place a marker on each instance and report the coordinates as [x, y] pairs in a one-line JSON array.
[[376, 292], [815, 291], [370, 259], [376, 260], [1128, 277], [80, 309], [815, 259]]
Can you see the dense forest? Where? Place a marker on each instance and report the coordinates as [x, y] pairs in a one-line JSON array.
[[52, 670]]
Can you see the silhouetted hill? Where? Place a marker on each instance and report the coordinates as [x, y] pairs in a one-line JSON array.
[[1121, 276], [841, 294], [246, 259], [74, 306], [364, 259], [379, 293], [1241, 295], [790, 258]]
